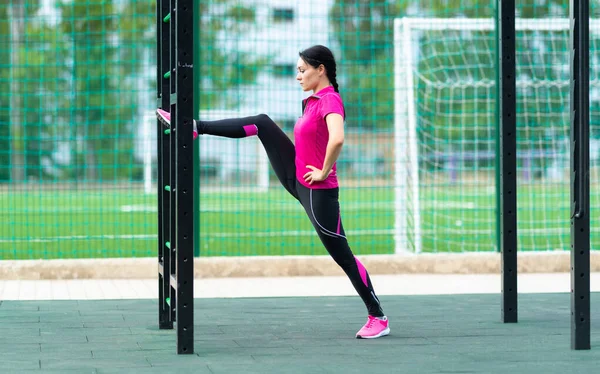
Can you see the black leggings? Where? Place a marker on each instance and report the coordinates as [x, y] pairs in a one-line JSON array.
[[321, 205]]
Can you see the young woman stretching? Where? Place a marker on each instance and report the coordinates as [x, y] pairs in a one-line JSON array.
[[308, 169]]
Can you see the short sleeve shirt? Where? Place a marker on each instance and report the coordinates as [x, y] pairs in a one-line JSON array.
[[311, 135]]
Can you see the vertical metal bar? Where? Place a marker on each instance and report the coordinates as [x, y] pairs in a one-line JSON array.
[[162, 318], [184, 114], [196, 144], [497, 120], [580, 168], [162, 59], [172, 89], [508, 159]]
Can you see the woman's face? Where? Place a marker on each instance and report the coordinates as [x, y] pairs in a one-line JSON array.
[[309, 76]]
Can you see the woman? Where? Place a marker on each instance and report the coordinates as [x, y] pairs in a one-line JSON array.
[[308, 169]]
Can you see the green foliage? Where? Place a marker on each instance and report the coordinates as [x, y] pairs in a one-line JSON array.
[[79, 79], [222, 69], [16, 18], [241, 14], [80, 76], [4, 95], [100, 103], [137, 30], [73, 90], [41, 88]]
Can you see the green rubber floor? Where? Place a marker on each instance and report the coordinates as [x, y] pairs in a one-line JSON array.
[[429, 334]]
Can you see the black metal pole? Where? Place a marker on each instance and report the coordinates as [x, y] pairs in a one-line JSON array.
[[163, 161], [173, 158], [196, 83], [182, 109], [580, 168], [497, 151], [508, 159]]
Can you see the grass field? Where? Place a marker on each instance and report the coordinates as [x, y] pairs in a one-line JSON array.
[[51, 224]]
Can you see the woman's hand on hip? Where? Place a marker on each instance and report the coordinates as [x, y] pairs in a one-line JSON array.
[[315, 175]]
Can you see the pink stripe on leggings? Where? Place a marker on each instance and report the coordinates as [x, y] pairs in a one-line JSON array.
[[251, 130], [362, 271]]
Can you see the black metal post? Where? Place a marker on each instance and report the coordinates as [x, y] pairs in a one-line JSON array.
[[497, 151], [173, 155], [508, 159], [165, 321], [580, 168], [175, 77], [182, 109], [196, 83]]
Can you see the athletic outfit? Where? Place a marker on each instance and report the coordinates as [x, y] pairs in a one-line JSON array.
[[320, 200]]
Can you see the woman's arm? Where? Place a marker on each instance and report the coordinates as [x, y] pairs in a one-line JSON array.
[[335, 125]]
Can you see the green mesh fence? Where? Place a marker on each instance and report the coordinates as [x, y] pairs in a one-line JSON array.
[[77, 82], [77, 135]]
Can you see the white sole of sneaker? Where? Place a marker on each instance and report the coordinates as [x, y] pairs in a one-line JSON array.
[[383, 333], [162, 119]]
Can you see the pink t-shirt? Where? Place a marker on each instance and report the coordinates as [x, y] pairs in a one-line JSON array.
[[311, 135]]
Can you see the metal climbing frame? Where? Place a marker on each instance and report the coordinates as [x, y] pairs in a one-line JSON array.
[[175, 94]]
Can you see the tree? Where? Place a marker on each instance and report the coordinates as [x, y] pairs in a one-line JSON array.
[[100, 103], [18, 14], [34, 53], [41, 85], [111, 50], [222, 69]]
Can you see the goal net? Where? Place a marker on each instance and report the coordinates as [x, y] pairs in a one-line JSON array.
[[445, 133]]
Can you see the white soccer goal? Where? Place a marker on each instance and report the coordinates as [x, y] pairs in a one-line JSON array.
[[445, 130]]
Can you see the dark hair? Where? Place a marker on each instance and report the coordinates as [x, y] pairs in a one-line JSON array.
[[319, 54]]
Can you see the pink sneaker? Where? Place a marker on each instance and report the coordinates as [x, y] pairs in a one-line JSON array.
[[374, 328], [165, 118]]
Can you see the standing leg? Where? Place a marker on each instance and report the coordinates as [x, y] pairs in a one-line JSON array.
[[322, 207]]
